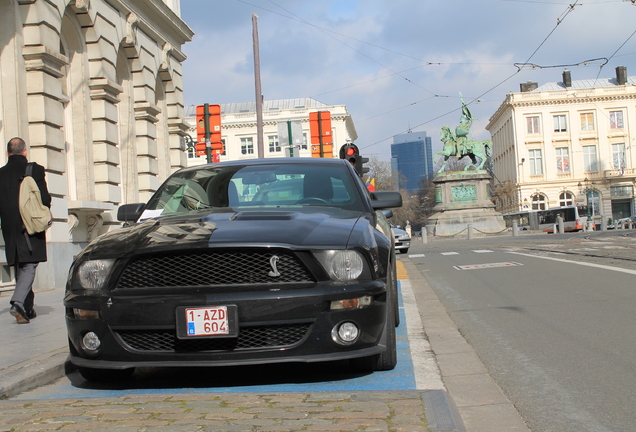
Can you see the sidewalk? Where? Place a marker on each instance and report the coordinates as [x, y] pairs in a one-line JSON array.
[[32, 354]]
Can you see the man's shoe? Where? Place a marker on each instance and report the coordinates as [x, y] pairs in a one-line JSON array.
[[31, 314], [19, 314]]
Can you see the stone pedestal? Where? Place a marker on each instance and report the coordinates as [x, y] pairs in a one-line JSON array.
[[462, 199]]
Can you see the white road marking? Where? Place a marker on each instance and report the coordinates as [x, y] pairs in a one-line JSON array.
[[482, 251], [618, 269], [427, 373], [490, 265], [416, 256], [450, 253]]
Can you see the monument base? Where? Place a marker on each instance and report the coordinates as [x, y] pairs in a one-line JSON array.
[[463, 198]]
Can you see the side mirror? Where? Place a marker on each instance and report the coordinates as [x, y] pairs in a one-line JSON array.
[[384, 200], [388, 213], [129, 212]]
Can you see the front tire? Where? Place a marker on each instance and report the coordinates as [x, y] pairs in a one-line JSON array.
[[387, 359]]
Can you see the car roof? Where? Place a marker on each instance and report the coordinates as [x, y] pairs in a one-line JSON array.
[[270, 161]]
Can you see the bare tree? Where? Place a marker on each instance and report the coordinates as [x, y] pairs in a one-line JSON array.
[[383, 175]]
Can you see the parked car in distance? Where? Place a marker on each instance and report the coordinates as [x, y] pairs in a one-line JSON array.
[[623, 222], [402, 238], [240, 263]]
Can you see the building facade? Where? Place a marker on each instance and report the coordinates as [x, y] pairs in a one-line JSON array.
[[566, 143], [239, 132], [95, 88], [412, 158]]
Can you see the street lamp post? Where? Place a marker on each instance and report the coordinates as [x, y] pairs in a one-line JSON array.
[[585, 188]]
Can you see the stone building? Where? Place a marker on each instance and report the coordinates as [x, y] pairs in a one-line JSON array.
[[95, 88], [238, 128], [565, 143]]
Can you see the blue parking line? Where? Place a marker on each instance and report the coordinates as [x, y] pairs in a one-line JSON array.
[[309, 378]]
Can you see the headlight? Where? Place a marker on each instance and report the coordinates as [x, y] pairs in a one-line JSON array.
[[93, 274], [344, 265]]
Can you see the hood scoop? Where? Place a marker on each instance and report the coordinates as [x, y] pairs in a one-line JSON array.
[[254, 215]]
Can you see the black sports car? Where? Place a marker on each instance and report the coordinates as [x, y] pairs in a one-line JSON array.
[[244, 262]]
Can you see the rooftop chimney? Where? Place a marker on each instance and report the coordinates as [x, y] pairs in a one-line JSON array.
[[621, 75], [567, 78], [528, 86]]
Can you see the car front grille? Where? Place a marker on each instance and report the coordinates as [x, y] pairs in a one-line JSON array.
[[214, 267], [276, 336]]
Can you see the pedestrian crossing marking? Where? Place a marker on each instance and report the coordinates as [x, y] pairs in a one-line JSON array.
[[450, 253], [490, 265], [416, 256], [482, 251]]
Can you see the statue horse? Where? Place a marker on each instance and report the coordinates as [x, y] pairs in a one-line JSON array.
[[454, 146]]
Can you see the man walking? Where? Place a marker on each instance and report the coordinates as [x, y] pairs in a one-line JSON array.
[[23, 251]]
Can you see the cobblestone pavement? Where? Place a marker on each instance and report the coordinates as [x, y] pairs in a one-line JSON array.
[[381, 412]]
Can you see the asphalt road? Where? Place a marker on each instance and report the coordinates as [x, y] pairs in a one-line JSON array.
[[551, 317]]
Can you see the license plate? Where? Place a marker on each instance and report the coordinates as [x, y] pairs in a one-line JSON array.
[[206, 321]]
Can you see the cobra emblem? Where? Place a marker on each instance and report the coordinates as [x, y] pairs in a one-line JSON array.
[[272, 261]]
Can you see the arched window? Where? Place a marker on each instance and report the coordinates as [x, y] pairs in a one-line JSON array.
[[566, 199], [539, 202]]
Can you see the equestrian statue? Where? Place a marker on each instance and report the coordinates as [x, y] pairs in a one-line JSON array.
[[457, 144]]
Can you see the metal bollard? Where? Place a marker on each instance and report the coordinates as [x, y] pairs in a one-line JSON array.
[[515, 228], [424, 235], [470, 232]]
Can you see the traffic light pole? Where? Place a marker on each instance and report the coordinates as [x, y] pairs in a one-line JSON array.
[[291, 141], [322, 150], [206, 119]]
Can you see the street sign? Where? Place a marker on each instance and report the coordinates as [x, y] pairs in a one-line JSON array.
[[296, 129]]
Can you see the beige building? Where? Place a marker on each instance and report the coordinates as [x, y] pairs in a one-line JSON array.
[[95, 88], [566, 142], [238, 128]]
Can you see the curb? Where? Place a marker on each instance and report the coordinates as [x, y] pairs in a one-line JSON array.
[[39, 372]]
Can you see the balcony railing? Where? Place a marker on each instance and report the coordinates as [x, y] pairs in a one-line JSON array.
[[628, 172]]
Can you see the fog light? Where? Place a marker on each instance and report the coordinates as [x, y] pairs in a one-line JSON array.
[[85, 314], [91, 342], [346, 333]]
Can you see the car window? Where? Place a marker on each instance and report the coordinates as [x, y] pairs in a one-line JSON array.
[[266, 185]]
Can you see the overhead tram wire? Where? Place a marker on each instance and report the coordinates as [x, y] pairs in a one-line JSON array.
[[353, 49], [562, 17], [615, 52], [326, 31]]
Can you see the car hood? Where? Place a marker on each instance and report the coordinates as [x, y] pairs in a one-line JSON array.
[[399, 232], [323, 227]]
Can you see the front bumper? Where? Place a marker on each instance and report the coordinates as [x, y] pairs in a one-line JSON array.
[[138, 327]]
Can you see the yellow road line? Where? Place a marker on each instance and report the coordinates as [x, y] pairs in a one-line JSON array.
[[401, 271]]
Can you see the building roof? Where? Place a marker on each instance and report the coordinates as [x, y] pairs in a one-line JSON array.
[[268, 105], [584, 84]]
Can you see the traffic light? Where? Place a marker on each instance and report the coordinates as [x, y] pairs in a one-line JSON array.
[[208, 118], [321, 136], [351, 153]]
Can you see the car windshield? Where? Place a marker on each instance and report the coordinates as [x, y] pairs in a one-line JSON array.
[[282, 185]]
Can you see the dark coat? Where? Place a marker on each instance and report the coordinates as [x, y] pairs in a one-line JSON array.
[[13, 230]]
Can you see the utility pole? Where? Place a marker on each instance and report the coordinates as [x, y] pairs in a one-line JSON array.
[[259, 95]]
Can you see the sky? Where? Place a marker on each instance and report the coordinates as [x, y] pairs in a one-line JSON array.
[[401, 65]]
